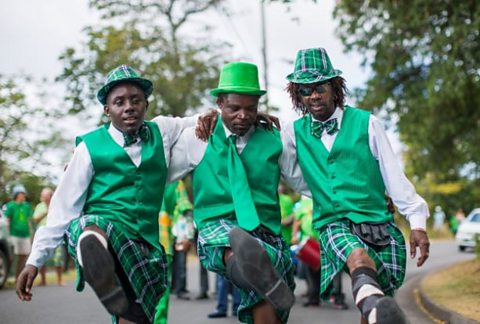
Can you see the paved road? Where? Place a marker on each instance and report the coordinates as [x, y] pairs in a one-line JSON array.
[[63, 305]]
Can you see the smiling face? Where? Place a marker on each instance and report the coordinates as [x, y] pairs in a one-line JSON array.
[[239, 112], [318, 98], [126, 107]]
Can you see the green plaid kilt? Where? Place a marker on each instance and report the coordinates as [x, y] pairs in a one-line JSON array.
[[145, 266], [337, 242], [212, 241]]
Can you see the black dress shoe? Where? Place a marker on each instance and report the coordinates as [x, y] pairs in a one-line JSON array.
[[311, 304], [217, 315], [99, 272], [202, 296], [183, 296]]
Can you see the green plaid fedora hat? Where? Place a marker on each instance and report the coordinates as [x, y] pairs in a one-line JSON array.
[[312, 65], [238, 77], [123, 73]]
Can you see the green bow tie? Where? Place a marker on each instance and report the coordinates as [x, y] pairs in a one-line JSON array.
[[143, 134], [245, 210], [330, 126]]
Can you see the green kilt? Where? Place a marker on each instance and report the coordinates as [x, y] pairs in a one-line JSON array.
[[337, 242], [212, 241], [145, 266]]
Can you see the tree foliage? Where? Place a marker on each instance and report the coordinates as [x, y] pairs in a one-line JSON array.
[[425, 63], [147, 35], [25, 135]]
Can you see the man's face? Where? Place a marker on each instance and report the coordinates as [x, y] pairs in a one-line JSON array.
[[318, 99], [46, 196], [239, 112], [20, 197], [126, 107]]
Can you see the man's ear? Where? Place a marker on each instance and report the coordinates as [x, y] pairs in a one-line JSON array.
[[219, 101], [106, 110]]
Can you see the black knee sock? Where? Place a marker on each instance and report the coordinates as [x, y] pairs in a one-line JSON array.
[[235, 276], [366, 290]]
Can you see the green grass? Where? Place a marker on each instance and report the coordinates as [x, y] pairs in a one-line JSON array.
[[457, 288]]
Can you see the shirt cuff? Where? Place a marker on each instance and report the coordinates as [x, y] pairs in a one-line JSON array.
[[33, 260], [418, 221]]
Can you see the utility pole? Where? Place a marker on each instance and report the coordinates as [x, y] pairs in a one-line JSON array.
[[264, 53]]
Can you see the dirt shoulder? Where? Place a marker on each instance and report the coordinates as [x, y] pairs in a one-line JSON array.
[[456, 288]]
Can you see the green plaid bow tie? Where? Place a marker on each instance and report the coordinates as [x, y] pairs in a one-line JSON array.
[[143, 134], [330, 126]]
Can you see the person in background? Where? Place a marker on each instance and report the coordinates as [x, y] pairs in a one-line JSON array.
[[40, 217], [183, 233], [175, 202], [302, 230], [224, 288], [438, 219], [286, 210], [20, 223]]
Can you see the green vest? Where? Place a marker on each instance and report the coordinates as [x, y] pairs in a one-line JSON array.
[[129, 196], [211, 187], [347, 181]]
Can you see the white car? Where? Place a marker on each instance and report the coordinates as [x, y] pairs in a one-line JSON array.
[[468, 230]]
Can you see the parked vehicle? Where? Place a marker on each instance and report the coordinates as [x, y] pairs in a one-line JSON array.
[[6, 253], [469, 230]]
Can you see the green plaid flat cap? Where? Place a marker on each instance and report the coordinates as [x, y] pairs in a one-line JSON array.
[[120, 74], [312, 65]]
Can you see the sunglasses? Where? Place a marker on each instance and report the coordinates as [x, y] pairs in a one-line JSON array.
[[305, 91]]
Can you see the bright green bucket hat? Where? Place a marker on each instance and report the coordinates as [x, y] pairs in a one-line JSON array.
[[123, 73], [312, 65], [238, 77]]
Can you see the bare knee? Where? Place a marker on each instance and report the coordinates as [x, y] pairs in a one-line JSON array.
[[227, 254], [359, 258], [264, 313]]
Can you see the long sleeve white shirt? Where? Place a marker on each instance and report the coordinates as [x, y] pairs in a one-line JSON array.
[[69, 199], [188, 152], [398, 187]]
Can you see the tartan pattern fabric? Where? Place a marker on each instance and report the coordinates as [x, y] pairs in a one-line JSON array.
[[312, 65], [212, 241], [123, 73], [337, 241], [145, 266], [317, 127], [143, 134]]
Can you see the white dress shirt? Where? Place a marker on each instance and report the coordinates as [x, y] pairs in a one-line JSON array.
[[69, 198], [188, 152], [398, 187]]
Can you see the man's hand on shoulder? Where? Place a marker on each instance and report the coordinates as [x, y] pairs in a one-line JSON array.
[[206, 124], [25, 282], [267, 121]]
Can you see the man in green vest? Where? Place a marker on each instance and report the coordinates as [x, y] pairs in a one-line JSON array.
[[108, 201], [176, 204], [349, 166], [236, 207]]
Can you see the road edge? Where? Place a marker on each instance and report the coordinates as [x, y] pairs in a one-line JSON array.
[[440, 313]]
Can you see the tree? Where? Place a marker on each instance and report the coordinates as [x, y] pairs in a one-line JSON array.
[[148, 36], [25, 135], [424, 62]]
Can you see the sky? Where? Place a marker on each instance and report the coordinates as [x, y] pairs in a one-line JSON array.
[[34, 33]]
